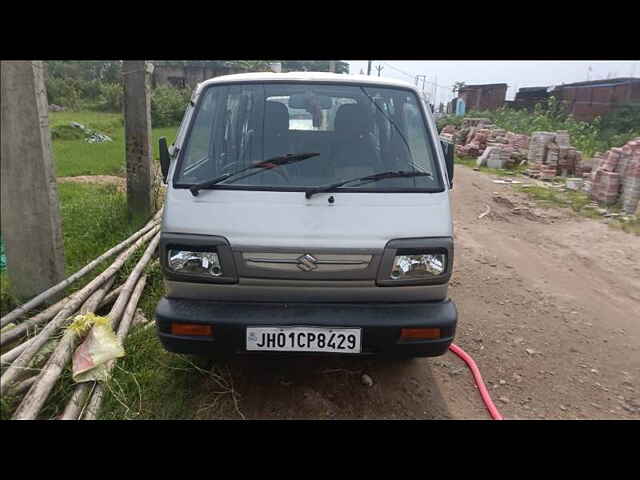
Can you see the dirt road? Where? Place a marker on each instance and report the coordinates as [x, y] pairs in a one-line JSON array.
[[549, 308]]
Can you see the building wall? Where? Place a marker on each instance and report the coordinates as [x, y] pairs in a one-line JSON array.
[[484, 98], [167, 75], [587, 102]]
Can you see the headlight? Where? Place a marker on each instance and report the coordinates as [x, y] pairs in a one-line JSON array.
[[199, 263], [418, 266]]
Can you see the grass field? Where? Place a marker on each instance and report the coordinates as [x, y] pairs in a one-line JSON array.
[[94, 217], [75, 157]]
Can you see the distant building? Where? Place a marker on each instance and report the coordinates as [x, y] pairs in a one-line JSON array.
[[528, 97], [180, 74], [587, 100], [483, 97], [584, 100]]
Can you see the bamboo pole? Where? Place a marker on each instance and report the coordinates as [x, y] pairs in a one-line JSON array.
[[23, 386], [11, 355], [23, 327], [96, 399], [110, 297], [76, 402], [17, 312], [125, 324], [16, 368], [129, 285], [118, 309], [38, 393]]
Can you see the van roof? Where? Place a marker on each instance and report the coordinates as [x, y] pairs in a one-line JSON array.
[[305, 77]]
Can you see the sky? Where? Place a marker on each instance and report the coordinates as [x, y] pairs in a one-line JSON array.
[[515, 73]]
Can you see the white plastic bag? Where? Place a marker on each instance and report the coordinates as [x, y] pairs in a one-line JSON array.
[[91, 359]]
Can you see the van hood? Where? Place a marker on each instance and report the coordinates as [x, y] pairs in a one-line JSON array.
[[288, 219]]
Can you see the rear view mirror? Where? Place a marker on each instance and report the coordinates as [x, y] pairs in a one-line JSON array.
[[448, 149], [165, 158]]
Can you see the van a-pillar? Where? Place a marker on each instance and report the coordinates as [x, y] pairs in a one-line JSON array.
[[137, 121]]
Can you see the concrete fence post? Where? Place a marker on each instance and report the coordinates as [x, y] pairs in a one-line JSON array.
[[30, 216], [137, 120]]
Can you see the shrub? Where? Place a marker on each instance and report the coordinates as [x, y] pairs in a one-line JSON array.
[[111, 97], [63, 92], [168, 105]]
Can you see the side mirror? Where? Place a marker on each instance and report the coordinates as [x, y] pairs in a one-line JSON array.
[[448, 149], [165, 158]]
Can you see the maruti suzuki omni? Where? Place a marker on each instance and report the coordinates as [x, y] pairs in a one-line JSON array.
[[307, 212]]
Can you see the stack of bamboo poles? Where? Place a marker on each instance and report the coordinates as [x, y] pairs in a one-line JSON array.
[[33, 338]]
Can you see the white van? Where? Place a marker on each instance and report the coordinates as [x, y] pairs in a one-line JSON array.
[[307, 212]]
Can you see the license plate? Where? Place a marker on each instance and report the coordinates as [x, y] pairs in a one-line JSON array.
[[304, 339]]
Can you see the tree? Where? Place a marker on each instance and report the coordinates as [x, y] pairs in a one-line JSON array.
[[458, 86], [313, 66]]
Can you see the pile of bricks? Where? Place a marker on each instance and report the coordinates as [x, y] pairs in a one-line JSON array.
[[538, 147], [495, 156], [550, 154], [616, 176], [475, 144]]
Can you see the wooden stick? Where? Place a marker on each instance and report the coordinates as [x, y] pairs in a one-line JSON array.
[[37, 395], [14, 371], [91, 412], [17, 312], [127, 288], [23, 386], [23, 327], [110, 297], [12, 354], [129, 312], [76, 402], [96, 399]]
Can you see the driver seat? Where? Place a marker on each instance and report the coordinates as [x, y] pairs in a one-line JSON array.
[[354, 153]]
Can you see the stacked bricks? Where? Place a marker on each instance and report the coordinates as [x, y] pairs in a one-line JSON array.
[[538, 146], [618, 170], [631, 182]]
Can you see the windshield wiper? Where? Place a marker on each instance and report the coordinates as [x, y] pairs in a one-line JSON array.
[[370, 178], [273, 162]]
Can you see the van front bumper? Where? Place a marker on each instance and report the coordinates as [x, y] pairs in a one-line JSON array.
[[380, 323]]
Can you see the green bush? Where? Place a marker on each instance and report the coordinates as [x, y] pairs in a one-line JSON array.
[[64, 92], [111, 97], [168, 106], [613, 130]]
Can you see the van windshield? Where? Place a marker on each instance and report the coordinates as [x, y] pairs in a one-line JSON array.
[[353, 132]]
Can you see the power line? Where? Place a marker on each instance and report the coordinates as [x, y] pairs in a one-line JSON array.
[[411, 75]]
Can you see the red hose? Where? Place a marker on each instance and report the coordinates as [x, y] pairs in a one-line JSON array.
[[484, 393]]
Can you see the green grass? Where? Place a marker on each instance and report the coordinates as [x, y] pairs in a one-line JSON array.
[[94, 219], [74, 156], [579, 202]]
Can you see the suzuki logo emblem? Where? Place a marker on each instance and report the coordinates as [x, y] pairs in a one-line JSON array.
[[307, 262]]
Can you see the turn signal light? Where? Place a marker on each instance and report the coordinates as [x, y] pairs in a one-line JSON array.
[[191, 329], [419, 333]]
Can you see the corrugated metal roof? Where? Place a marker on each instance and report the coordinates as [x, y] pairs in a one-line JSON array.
[[609, 82]]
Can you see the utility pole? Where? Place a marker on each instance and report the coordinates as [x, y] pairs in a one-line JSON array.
[[31, 226], [137, 121], [379, 68], [369, 68], [435, 90]]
